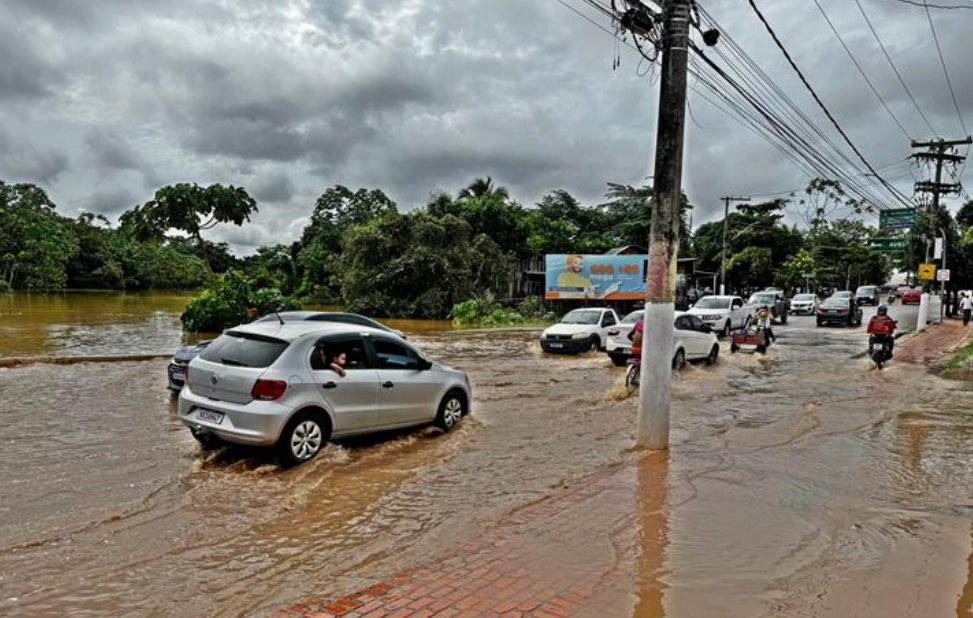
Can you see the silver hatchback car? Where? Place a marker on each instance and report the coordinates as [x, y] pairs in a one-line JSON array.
[[297, 385]]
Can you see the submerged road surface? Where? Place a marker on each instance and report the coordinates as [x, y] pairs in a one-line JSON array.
[[800, 483]]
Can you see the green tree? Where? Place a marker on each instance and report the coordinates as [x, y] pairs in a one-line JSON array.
[[793, 270], [483, 187], [35, 243]]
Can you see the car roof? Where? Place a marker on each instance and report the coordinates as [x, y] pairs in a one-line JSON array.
[[291, 331], [725, 296]]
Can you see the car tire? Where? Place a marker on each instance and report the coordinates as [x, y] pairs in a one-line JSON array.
[[594, 344], [783, 318], [452, 408], [304, 436], [618, 361], [820, 323], [727, 327], [714, 355], [734, 348], [678, 360], [207, 440]]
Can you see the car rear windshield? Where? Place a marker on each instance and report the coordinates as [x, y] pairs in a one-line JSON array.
[[632, 318], [712, 302], [837, 302], [763, 298], [244, 350]]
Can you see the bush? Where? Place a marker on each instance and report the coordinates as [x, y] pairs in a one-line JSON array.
[[484, 310], [231, 301], [4, 286]]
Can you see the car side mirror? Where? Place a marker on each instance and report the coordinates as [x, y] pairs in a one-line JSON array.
[[424, 365], [705, 328]]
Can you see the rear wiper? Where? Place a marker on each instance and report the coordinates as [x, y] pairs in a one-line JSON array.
[[233, 363]]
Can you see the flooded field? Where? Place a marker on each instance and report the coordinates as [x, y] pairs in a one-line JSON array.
[[801, 483]]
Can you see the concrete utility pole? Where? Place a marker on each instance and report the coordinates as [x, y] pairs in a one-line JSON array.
[[653, 422], [726, 219], [939, 151]]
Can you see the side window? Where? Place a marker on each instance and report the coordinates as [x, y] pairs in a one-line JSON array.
[[695, 323], [683, 323], [608, 319], [333, 351], [737, 303], [392, 355]]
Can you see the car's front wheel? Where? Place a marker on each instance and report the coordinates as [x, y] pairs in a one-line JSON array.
[[305, 435], [678, 360], [451, 410], [783, 318], [726, 329]]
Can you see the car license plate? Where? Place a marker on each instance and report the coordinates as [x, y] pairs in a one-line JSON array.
[[556, 345], [209, 415], [179, 375]]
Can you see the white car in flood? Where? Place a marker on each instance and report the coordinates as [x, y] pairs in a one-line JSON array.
[[296, 385], [579, 331], [721, 313], [692, 340]]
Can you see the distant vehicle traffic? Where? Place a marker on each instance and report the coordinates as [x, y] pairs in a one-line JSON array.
[[868, 295], [296, 386], [581, 330], [912, 295], [778, 303], [692, 340], [721, 313], [839, 310], [181, 359], [804, 304], [842, 294]]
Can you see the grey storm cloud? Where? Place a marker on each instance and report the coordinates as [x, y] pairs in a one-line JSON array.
[[105, 101]]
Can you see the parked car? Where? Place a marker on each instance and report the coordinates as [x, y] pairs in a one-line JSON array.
[[693, 340], [868, 295], [778, 303], [721, 313], [180, 361], [579, 331], [268, 384], [804, 304], [912, 295], [839, 310]]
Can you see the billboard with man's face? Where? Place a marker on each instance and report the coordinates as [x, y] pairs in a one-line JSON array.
[[606, 277]]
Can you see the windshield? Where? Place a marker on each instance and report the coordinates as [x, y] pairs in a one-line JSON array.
[[632, 318], [712, 302], [836, 302], [763, 299], [866, 289], [582, 316], [803, 297]]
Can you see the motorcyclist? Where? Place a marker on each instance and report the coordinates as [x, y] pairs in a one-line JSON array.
[[882, 328], [765, 317]]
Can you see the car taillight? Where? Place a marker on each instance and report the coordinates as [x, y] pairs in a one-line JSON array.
[[613, 332], [268, 390]]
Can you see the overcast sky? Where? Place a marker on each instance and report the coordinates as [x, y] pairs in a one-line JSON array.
[[102, 102]]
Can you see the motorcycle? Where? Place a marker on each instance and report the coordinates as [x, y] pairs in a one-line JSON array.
[[890, 299], [880, 349]]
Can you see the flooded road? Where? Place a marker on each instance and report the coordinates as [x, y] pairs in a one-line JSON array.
[[801, 483]]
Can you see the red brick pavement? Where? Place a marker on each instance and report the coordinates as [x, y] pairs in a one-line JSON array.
[[930, 345], [547, 560]]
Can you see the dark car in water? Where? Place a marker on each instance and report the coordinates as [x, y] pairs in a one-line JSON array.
[[180, 360], [839, 310]]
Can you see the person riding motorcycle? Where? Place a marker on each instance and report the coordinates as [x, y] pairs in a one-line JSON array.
[[881, 328]]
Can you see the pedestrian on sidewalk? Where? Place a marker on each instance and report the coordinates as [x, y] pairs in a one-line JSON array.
[[966, 305]]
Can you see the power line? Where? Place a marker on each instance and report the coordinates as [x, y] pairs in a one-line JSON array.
[[821, 104], [936, 6], [894, 68], [861, 70], [949, 82]]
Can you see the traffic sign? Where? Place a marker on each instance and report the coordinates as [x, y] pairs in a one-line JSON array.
[[942, 275], [897, 219], [927, 271], [889, 244]]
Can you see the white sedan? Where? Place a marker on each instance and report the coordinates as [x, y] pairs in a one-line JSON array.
[[804, 304], [693, 340]]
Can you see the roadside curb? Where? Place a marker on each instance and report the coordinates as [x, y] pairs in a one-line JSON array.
[[23, 361]]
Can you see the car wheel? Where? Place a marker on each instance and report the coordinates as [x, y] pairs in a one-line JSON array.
[[734, 348], [678, 360], [783, 318], [206, 439], [820, 323], [451, 410], [714, 354], [618, 361], [594, 344], [304, 436], [726, 329]]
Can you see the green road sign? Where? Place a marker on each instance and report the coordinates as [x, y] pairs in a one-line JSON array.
[[898, 219], [889, 244]]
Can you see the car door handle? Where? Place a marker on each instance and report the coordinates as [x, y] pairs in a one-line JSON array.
[[329, 385], [387, 385]]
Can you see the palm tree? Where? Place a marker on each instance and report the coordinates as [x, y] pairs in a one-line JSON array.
[[483, 187]]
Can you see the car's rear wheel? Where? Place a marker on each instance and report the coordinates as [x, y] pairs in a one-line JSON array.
[[451, 410], [714, 355], [820, 323], [783, 318], [679, 360], [206, 439], [304, 436]]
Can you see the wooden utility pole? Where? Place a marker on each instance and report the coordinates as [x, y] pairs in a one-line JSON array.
[[653, 420], [726, 219]]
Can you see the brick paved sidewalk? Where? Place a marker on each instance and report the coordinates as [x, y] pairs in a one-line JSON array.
[[547, 560], [930, 345]]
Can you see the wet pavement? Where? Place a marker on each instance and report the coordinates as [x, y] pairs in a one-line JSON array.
[[800, 483]]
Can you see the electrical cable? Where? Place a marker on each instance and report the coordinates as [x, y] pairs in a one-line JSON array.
[[936, 6], [861, 70], [895, 69], [949, 82]]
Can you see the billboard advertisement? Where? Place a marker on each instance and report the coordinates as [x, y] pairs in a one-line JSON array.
[[603, 277]]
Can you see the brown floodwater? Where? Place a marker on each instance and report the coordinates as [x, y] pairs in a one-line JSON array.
[[801, 483]]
